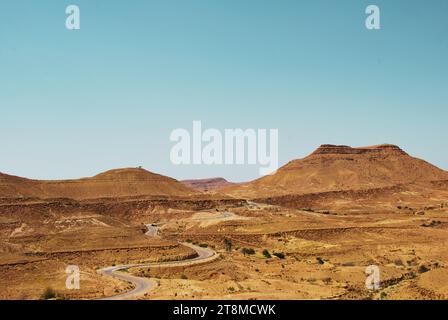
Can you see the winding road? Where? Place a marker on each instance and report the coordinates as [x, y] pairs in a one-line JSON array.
[[143, 285]]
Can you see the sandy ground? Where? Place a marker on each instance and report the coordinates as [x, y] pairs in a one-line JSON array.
[[322, 254]]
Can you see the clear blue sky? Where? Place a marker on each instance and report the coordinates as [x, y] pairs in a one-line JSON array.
[[75, 103]]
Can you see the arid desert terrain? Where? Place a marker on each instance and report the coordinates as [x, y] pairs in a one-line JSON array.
[[306, 232]]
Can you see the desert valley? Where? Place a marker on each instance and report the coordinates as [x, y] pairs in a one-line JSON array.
[[306, 232]]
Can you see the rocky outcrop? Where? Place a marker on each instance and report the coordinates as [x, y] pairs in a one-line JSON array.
[[341, 149]]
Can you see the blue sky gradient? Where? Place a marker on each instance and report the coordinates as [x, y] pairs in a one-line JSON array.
[[75, 103]]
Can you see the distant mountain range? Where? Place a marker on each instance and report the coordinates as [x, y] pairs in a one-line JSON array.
[[329, 168], [205, 185]]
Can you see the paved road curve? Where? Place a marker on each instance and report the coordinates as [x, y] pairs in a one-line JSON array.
[[143, 285]]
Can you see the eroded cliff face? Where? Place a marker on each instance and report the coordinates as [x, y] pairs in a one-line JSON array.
[[340, 149]]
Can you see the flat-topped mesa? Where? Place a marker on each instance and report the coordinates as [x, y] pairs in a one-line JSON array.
[[338, 168], [335, 149]]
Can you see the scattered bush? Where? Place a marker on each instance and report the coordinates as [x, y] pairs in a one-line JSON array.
[[326, 280], [433, 223], [279, 255], [266, 253], [423, 269], [203, 245], [383, 295], [228, 245], [398, 262], [248, 251], [49, 293], [320, 260], [411, 262], [184, 277]]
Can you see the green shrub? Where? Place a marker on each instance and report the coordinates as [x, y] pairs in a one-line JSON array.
[[423, 269], [279, 255], [266, 253]]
